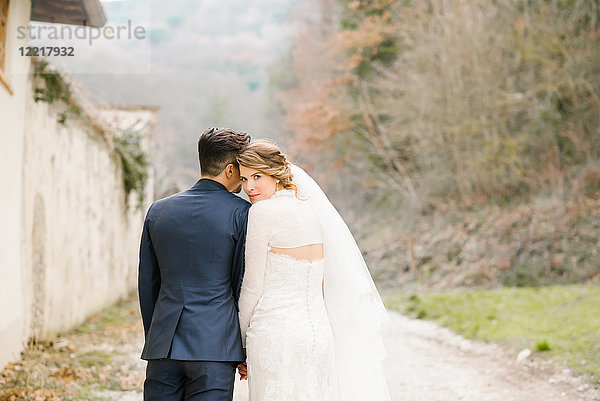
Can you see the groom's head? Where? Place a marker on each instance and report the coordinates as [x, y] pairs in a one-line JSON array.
[[218, 149]]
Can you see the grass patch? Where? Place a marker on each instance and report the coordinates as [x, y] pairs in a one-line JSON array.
[[123, 312], [95, 358], [543, 346], [561, 321]]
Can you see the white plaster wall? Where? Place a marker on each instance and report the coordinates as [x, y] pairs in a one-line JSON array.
[[68, 239], [81, 237], [12, 117]]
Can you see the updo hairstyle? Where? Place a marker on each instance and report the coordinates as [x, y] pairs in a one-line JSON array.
[[267, 158]]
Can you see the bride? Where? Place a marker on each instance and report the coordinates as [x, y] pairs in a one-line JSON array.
[[309, 312]]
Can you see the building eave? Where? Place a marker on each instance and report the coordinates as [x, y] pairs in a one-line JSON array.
[[72, 12]]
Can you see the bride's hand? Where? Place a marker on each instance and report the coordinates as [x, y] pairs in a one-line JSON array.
[[243, 371]]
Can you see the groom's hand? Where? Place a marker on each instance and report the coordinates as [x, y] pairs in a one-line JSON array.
[[243, 371]]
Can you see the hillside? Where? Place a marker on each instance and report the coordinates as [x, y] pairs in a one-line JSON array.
[[460, 139]]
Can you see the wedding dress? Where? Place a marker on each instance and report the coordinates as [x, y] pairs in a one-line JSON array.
[[310, 327], [285, 327]]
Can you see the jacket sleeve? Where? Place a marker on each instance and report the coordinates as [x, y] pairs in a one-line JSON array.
[[257, 246], [148, 276], [237, 269]]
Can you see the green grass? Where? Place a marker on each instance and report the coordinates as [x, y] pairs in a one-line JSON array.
[[563, 322], [95, 358], [115, 315]]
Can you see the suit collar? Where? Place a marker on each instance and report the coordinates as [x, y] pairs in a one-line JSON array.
[[206, 184]]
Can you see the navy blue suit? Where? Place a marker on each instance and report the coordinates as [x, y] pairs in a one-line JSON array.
[[190, 272]]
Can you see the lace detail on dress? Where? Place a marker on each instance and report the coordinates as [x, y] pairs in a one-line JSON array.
[[284, 323], [289, 339], [282, 221]]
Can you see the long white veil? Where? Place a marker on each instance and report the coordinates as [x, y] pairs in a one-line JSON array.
[[354, 306]]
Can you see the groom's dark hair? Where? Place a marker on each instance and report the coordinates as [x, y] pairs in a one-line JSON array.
[[218, 147]]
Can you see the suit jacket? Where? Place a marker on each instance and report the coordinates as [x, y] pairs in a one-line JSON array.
[[190, 273]]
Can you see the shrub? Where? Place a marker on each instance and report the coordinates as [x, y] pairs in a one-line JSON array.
[[543, 346]]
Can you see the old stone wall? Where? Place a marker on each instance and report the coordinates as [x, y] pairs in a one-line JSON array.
[[79, 231], [69, 234]]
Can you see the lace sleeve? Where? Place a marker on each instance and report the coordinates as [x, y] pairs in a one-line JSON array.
[[257, 246]]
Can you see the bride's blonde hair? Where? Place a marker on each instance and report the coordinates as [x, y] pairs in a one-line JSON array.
[[267, 158]]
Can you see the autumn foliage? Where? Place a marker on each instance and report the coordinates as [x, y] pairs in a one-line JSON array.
[[452, 101], [423, 116]]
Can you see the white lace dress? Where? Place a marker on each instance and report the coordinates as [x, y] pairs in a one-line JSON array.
[[284, 323]]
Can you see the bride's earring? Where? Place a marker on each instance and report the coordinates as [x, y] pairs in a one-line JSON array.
[[276, 184]]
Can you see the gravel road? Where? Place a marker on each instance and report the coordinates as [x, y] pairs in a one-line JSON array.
[[429, 363], [426, 362]]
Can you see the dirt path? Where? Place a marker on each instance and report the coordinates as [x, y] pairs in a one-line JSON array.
[[100, 361], [427, 362]]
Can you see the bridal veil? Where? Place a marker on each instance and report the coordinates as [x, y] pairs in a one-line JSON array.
[[353, 304]]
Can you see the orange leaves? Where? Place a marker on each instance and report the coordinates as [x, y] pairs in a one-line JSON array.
[[370, 5], [18, 394], [362, 44], [65, 373], [314, 112], [355, 5], [386, 16], [314, 122]]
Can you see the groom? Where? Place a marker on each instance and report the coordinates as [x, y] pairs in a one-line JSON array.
[[190, 272]]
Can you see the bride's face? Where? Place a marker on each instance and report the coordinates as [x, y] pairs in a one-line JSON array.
[[257, 185]]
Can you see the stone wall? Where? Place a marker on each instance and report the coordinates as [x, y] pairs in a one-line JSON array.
[[69, 235], [79, 232]]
